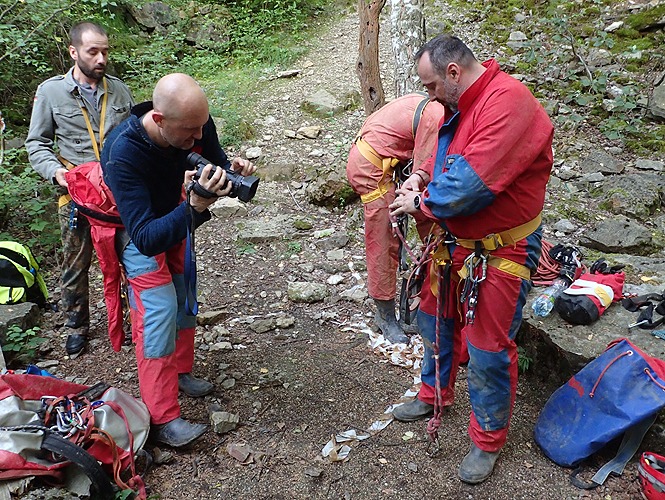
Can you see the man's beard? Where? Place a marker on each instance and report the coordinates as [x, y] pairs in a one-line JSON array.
[[96, 73], [452, 95]]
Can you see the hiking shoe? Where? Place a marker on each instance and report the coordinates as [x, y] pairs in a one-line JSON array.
[[413, 411], [194, 387], [75, 343], [477, 465], [177, 433]]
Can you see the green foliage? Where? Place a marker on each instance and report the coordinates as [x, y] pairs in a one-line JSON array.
[[33, 46], [242, 39], [20, 346], [524, 362], [27, 205], [124, 495], [245, 248], [293, 248], [569, 209], [563, 35], [346, 196], [646, 17]]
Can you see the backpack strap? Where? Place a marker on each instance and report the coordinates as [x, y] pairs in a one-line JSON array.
[[630, 443], [101, 484], [89, 212], [418, 113]]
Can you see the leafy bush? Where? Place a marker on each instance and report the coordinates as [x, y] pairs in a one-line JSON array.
[[27, 205], [33, 47], [20, 346], [524, 362]]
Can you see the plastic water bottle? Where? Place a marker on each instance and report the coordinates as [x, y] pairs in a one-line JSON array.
[[544, 303]]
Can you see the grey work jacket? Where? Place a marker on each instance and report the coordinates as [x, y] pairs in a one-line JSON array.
[[57, 118]]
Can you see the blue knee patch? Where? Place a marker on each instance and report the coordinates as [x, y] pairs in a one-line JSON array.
[[489, 387], [159, 321], [137, 264], [427, 326]]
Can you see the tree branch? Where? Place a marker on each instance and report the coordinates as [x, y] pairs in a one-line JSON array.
[[2, 14], [572, 45]]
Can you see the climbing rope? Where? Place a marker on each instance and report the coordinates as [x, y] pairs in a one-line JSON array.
[[555, 259]]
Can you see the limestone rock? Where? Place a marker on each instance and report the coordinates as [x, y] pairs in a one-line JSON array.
[[302, 291], [222, 421], [619, 236], [600, 161]]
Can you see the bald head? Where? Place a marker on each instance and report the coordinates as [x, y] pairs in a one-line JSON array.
[[180, 111], [178, 95]]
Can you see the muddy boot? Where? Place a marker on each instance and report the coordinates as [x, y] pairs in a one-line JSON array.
[[410, 329], [194, 387], [75, 344], [413, 411], [387, 323], [177, 432], [477, 465]]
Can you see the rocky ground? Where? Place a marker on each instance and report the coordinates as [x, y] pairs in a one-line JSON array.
[[297, 373]]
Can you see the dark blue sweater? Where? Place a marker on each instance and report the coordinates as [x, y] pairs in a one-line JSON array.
[[147, 182]]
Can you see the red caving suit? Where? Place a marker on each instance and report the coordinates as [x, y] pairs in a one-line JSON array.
[[489, 176]]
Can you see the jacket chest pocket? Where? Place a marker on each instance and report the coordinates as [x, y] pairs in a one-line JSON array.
[[72, 132], [68, 120], [116, 114]]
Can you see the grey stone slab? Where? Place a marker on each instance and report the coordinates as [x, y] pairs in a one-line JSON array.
[[559, 349], [25, 315]]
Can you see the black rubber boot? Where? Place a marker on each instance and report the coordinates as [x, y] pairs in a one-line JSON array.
[[387, 323], [477, 465], [177, 433], [194, 387], [413, 411], [75, 343]]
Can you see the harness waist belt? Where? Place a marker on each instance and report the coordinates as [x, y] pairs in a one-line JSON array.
[[495, 241], [505, 265]]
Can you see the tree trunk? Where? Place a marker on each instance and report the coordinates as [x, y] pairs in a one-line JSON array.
[[408, 35], [367, 66]]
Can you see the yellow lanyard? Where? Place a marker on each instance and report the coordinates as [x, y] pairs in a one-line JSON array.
[[95, 145]]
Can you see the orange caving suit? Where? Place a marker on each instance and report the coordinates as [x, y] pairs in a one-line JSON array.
[[389, 132]]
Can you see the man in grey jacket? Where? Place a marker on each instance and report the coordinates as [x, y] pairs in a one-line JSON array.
[[71, 115]]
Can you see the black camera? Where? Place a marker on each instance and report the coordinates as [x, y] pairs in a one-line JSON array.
[[244, 188]]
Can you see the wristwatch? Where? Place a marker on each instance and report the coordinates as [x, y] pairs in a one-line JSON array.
[[416, 202]]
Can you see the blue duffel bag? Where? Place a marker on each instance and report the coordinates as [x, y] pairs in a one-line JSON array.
[[617, 394]]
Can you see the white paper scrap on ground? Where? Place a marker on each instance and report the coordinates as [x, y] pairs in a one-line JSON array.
[[336, 452], [409, 356]]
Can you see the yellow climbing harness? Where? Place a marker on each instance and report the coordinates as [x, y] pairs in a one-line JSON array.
[[387, 165]]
